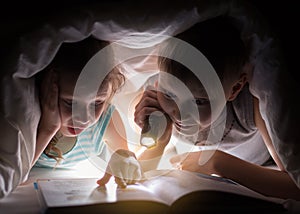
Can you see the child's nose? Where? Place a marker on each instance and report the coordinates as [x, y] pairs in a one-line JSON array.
[[81, 118], [81, 123], [187, 110], [172, 111]]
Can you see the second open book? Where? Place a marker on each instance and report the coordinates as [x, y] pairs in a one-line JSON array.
[[166, 191]]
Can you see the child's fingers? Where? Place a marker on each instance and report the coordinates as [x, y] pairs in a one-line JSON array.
[[141, 117], [104, 180], [176, 160], [128, 173], [151, 88], [136, 176], [120, 182], [149, 98], [145, 107], [132, 173]]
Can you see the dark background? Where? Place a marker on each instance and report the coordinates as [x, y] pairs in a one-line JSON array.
[[17, 18], [283, 17]]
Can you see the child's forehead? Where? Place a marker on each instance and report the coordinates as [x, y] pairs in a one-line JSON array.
[[72, 78], [71, 90], [176, 84]]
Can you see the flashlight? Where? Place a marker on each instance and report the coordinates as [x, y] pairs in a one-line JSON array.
[[153, 129]]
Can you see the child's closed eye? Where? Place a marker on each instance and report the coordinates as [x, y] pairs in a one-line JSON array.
[[201, 101], [98, 103], [169, 95], [68, 103]]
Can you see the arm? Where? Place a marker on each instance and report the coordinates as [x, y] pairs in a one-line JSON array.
[[123, 164], [42, 140], [50, 122], [281, 180], [115, 133], [148, 103], [270, 182], [267, 181], [260, 124], [150, 158]]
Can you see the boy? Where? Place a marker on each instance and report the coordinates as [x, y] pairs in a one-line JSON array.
[[241, 148]]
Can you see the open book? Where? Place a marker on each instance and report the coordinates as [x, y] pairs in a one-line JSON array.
[[165, 191]]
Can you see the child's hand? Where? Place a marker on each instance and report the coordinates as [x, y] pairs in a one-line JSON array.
[[50, 121], [124, 166], [206, 162], [147, 105]]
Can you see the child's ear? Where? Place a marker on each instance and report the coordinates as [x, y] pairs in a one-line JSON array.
[[238, 86]]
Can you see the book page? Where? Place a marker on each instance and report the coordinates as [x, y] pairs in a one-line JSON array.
[[70, 192], [170, 185], [85, 191], [162, 186]]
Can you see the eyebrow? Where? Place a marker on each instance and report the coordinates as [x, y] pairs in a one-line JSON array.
[[202, 92], [99, 96]]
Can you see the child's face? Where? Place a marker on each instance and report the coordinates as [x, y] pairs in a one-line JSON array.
[[88, 108], [186, 102]]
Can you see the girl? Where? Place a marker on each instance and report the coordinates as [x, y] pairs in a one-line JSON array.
[[65, 136]]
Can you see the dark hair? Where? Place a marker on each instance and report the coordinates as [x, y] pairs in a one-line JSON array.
[[72, 57], [219, 41]]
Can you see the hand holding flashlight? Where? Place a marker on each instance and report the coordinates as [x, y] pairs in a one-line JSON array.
[[153, 129]]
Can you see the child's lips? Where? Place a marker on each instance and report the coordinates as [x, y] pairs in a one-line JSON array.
[[75, 131], [183, 126], [187, 129]]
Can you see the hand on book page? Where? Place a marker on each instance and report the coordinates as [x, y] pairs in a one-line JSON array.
[[165, 191], [124, 166]]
